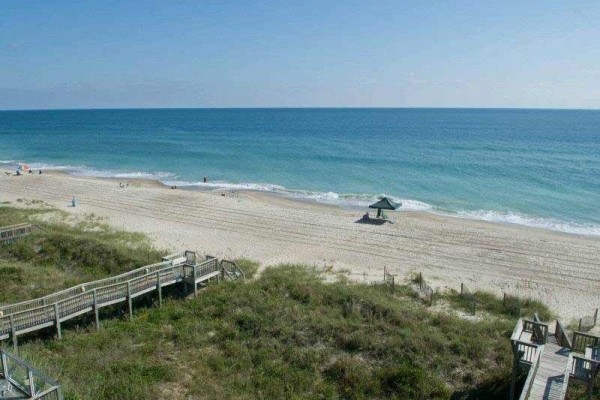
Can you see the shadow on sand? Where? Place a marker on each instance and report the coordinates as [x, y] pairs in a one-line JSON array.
[[371, 221]]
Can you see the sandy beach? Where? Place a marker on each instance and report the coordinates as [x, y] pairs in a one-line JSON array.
[[560, 269]]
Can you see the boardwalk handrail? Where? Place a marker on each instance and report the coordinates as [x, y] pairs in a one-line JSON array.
[[581, 340], [47, 315], [566, 376], [525, 351], [27, 379], [539, 329], [584, 368], [532, 373], [516, 335], [561, 335], [9, 234], [13, 227], [232, 268], [66, 293]]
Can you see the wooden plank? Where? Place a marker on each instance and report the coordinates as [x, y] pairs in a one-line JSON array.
[[207, 276], [76, 314], [549, 380]]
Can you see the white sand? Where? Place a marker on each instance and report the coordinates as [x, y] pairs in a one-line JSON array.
[[559, 269]]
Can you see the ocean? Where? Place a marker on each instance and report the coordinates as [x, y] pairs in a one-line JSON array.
[[539, 168]]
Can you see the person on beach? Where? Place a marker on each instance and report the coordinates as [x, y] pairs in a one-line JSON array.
[[366, 217], [40, 172], [73, 201], [205, 179]]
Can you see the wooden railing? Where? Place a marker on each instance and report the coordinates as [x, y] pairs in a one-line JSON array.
[[233, 269], [584, 368], [72, 291], [59, 307], [8, 234], [526, 351], [582, 340], [561, 335], [27, 379], [535, 363], [539, 329]]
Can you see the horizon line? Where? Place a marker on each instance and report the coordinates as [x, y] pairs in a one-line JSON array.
[[299, 108]]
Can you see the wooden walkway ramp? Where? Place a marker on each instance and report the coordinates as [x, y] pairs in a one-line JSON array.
[[553, 359], [18, 380], [52, 310], [10, 234], [550, 377]]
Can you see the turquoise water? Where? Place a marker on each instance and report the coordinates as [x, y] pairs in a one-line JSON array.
[[532, 167]]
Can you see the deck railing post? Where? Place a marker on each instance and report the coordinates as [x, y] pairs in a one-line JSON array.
[[96, 311], [194, 275], [31, 382], [159, 289], [57, 320], [515, 367], [4, 365], [129, 303], [13, 332]]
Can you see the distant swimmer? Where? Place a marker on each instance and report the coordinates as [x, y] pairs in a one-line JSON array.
[[205, 179]]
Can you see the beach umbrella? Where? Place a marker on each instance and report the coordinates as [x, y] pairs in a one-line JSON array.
[[385, 204]]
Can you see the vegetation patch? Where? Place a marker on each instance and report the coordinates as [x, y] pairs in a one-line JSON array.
[[283, 334]]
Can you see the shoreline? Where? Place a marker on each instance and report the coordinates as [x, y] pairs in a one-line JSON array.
[[289, 196], [563, 270]]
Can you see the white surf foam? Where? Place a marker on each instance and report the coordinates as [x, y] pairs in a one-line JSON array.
[[533, 221], [354, 200]]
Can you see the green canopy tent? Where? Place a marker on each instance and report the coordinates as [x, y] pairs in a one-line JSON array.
[[385, 204]]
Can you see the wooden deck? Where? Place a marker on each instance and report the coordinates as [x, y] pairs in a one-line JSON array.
[[549, 379], [554, 358], [52, 310]]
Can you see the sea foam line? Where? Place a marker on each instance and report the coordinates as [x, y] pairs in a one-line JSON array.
[[354, 200]]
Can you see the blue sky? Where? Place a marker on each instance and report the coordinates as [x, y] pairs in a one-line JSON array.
[[112, 54]]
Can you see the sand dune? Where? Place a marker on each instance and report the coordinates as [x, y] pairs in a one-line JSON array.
[[562, 270]]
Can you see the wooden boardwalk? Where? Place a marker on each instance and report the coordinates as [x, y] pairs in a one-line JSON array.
[[52, 310], [549, 379], [9, 234], [18, 380], [553, 359]]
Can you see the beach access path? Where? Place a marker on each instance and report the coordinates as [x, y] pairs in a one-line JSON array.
[[560, 269]]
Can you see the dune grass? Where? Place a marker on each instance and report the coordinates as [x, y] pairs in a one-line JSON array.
[[283, 334], [63, 254], [511, 307]]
